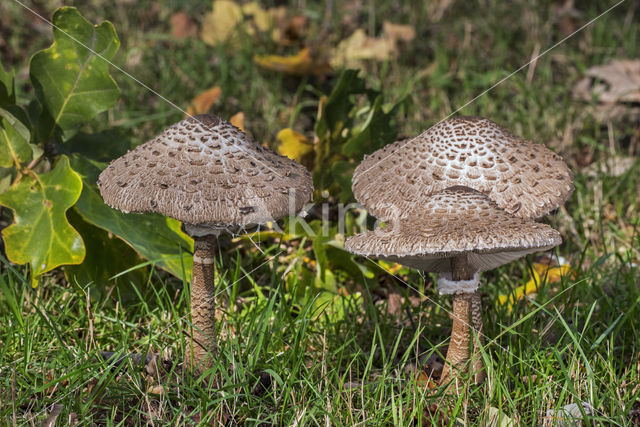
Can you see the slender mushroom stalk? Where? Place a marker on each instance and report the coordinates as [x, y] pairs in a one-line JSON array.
[[214, 178], [460, 344], [467, 324], [203, 344], [476, 323], [459, 233]]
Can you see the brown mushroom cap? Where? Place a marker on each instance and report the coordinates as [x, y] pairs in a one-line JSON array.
[[525, 179], [204, 170], [452, 222]]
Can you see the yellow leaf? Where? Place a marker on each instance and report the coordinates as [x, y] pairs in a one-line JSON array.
[[541, 272], [219, 25], [238, 120], [302, 63], [202, 103], [262, 19], [390, 267], [294, 145], [359, 47], [229, 18], [406, 33]]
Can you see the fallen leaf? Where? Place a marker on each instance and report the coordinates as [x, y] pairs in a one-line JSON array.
[[238, 120], [260, 18], [295, 146], [220, 25], [617, 81], [567, 416], [612, 166], [202, 103], [358, 47], [156, 389], [405, 33], [302, 63], [53, 416], [391, 267], [423, 380], [541, 271], [182, 26], [228, 18], [497, 418]]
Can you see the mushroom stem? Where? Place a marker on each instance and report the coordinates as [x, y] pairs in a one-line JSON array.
[[203, 336], [460, 343], [476, 322]]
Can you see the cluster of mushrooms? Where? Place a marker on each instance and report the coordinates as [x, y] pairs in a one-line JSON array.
[[461, 198]]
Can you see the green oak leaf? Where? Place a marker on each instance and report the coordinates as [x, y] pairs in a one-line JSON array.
[[7, 87], [6, 176], [106, 260], [14, 141], [71, 77], [376, 131], [41, 234], [154, 237], [102, 146]]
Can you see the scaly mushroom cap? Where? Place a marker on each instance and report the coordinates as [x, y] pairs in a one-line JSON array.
[[452, 222], [524, 178], [204, 170]]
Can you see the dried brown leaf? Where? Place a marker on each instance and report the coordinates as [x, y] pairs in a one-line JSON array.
[[202, 103], [617, 81], [238, 120], [50, 421], [182, 26]]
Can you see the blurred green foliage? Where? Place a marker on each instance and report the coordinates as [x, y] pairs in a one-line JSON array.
[[347, 129]]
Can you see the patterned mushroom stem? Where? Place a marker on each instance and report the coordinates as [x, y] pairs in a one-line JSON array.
[[203, 336], [476, 322], [460, 343]]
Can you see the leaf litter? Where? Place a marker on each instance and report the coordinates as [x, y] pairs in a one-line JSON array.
[[614, 86]]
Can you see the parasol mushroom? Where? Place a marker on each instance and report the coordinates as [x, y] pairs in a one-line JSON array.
[[214, 178], [457, 232], [525, 179]]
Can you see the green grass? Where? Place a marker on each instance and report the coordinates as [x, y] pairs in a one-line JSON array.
[[574, 342], [578, 340]]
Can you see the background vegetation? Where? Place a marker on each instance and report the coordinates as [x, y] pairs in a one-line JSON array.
[[316, 335]]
